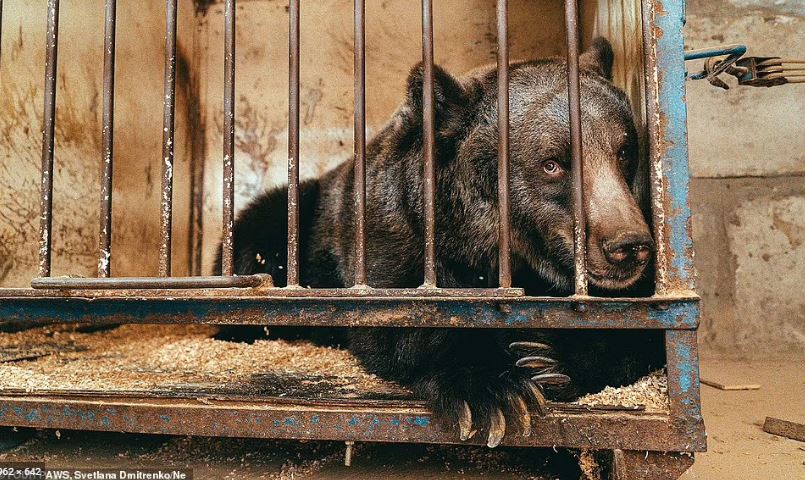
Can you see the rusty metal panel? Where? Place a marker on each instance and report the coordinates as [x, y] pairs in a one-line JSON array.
[[375, 421]]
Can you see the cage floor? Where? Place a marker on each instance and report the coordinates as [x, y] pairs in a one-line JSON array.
[[187, 361]]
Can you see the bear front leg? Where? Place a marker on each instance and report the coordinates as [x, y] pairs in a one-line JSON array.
[[471, 379]]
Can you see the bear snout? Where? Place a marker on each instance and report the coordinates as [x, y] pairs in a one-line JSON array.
[[629, 249]]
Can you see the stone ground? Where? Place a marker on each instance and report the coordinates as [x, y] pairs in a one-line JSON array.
[[738, 447]]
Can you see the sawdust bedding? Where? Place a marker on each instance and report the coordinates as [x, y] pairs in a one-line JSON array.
[[186, 357]]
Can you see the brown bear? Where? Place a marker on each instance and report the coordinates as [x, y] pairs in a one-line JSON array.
[[476, 379]]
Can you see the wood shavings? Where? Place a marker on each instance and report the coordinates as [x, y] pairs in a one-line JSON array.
[[650, 392], [187, 360], [183, 358]]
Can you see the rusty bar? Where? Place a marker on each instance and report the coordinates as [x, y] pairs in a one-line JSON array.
[[167, 139], [166, 283], [682, 358], [360, 143], [48, 138], [293, 145], [107, 140], [504, 251], [429, 145], [227, 244], [431, 308], [296, 418], [577, 163], [657, 188]]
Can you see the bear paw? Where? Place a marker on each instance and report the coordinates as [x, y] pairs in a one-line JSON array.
[[507, 409], [505, 403]]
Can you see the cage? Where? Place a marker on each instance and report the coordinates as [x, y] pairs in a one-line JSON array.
[[191, 108]]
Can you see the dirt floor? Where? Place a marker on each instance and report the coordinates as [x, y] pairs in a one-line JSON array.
[[738, 448]]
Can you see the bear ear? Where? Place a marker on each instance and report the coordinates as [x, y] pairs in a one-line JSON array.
[[598, 58], [449, 94]]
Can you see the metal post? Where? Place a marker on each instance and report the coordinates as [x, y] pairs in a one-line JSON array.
[[227, 249], [167, 139], [48, 130], [504, 250], [655, 162], [577, 163], [360, 143], [105, 232], [429, 145], [293, 146]]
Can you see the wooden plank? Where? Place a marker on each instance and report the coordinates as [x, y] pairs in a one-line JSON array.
[[784, 428], [730, 386]]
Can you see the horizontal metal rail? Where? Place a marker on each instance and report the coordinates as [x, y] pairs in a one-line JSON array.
[[117, 283], [343, 307], [375, 421]]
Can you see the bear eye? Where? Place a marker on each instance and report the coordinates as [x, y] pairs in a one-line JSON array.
[[552, 167], [623, 154]]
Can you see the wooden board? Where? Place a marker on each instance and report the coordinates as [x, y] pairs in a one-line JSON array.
[[784, 428]]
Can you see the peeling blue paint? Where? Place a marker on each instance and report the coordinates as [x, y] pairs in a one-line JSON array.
[[670, 60], [685, 367], [684, 313], [32, 415]]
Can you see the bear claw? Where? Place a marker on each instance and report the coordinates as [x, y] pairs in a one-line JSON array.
[[465, 422], [521, 409], [539, 399], [530, 346], [553, 379], [536, 362], [497, 428]]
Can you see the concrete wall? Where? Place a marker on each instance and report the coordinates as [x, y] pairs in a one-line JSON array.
[[747, 154]]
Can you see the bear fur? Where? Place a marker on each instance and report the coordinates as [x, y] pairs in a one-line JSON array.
[[470, 377]]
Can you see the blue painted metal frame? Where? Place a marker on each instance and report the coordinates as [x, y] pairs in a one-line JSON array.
[[681, 347]]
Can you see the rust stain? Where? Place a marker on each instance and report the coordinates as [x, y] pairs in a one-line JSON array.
[[794, 233]]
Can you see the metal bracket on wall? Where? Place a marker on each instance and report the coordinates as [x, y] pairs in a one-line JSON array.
[[751, 71]]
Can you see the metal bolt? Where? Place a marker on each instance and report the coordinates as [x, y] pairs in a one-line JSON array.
[[348, 453]]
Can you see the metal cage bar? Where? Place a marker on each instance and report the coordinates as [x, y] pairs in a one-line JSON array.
[[577, 154], [107, 139], [655, 162], [428, 145], [293, 144], [48, 138], [359, 187], [227, 244], [169, 111], [504, 249]]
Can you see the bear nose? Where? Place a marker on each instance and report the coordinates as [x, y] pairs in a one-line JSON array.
[[628, 249]]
